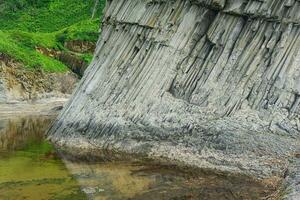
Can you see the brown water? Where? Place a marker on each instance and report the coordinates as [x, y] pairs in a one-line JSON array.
[[30, 169]]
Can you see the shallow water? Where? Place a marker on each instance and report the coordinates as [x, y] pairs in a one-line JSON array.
[[30, 168]]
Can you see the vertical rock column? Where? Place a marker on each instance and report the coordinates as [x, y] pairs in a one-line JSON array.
[[208, 83]]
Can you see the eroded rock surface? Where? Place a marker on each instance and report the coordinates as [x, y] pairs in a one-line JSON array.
[[18, 83], [209, 83]]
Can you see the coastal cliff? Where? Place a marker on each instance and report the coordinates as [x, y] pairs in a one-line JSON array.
[[213, 84]]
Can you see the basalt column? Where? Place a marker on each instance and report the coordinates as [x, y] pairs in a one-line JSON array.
[[207, 83]]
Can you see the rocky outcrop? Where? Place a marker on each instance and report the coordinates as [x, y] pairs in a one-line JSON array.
[[70, 58], [74, 62], [80, 46], [209, 83], [20, 83]]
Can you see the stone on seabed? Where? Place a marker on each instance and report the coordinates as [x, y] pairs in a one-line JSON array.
[[213, 84]]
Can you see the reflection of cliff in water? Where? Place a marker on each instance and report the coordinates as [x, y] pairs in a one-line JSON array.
[[136, 180], [17, 133]]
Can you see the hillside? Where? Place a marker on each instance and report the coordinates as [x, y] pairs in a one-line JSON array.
[[45, 46], [28, 25]]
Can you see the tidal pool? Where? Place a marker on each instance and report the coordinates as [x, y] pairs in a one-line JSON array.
[[30, 168]]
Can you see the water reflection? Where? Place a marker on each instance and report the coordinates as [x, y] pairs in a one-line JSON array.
[[31, 169], [17, 133], [140, 181]]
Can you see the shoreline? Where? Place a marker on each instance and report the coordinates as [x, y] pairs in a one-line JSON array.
[[285, 187], [51, 106], [82, 147]]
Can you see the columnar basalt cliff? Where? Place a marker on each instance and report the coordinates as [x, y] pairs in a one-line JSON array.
[[209, 83]]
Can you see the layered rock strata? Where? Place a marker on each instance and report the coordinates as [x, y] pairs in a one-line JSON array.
[[209, 83]]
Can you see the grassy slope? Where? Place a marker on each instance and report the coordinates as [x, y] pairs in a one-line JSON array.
[[27, 24]]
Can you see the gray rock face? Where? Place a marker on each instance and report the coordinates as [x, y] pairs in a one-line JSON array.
[[208, 83]]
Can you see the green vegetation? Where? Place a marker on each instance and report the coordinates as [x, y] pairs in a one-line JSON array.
[[87, 57], [28, 24], [45, 15], [22, 49]]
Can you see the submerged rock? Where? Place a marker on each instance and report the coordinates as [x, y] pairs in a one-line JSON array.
[[208, 83]]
